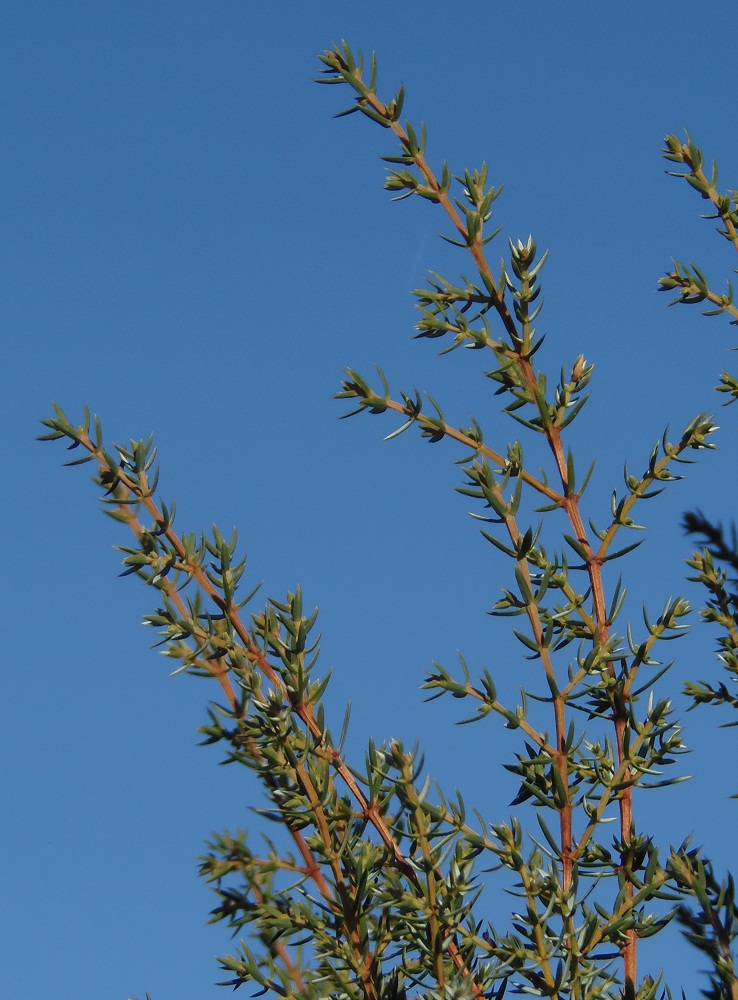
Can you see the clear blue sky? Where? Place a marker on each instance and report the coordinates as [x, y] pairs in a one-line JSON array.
[[192, 246]]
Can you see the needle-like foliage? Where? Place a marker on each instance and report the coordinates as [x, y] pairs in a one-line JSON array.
[[380, 893]]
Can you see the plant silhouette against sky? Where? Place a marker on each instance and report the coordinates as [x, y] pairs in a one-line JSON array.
[[380, 893]]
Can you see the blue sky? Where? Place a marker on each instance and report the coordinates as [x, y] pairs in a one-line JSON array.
[[193, 247]]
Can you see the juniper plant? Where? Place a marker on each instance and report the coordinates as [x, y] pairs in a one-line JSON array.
[[713, 563], [380, 895]]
